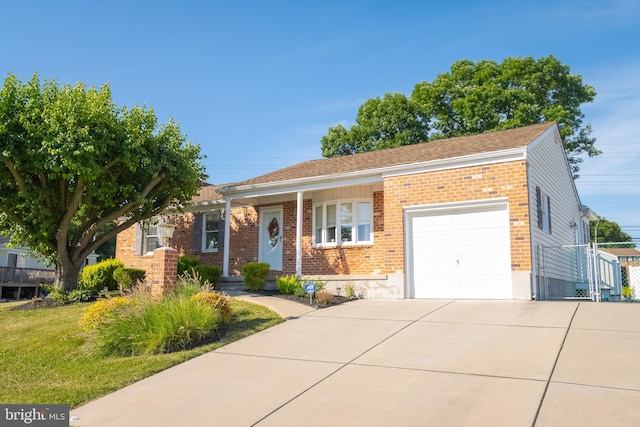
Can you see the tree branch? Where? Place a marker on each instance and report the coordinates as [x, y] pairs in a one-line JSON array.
[[16, 175]]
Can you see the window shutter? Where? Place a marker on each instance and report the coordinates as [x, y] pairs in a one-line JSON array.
[[539, 206], [221, 220], [197, 233], [137, 249], [549, 212]]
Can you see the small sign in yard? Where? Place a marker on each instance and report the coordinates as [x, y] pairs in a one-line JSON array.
[[310, 288]]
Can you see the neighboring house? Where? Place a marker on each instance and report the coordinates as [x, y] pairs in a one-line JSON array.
[[456, 218], [21, 271], [626, 256]]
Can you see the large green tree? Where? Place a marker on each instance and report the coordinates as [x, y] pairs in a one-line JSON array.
[[73, 164], [608, 232], [391, 121], [476, 97]]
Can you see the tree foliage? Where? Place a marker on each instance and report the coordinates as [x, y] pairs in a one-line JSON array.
[[608, 232], [73, 164], [391, 121], [474, 97]]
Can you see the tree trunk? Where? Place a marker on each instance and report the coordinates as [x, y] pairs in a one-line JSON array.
[[66, 274]]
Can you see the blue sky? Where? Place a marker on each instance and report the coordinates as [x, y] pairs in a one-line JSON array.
[[258, 83]]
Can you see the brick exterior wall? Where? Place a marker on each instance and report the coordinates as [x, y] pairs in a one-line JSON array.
[[500, 180], [125, 252], [386, 254], [360, 259]]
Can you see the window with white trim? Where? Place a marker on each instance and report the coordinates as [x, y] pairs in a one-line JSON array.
[[344, 222], [151, 238], [210, 231]]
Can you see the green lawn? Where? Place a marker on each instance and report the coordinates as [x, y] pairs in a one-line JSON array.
[[44, 359]]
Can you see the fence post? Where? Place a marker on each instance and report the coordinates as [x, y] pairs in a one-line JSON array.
[[596, 274]]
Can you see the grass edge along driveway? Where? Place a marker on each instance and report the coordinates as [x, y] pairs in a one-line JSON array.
[[44, 357]]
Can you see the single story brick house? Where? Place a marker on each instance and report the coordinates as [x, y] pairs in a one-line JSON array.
[[456, 218]]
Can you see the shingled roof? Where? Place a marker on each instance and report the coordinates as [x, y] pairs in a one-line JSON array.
[[405, 155], [621, 251], [208, 193]]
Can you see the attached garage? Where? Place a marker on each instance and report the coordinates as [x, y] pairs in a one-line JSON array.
[[459, 251]]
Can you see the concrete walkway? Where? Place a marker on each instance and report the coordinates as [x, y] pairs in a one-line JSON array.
[[404, 363]]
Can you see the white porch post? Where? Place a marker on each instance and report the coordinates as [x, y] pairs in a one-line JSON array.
[[227, 235], [299, 235]]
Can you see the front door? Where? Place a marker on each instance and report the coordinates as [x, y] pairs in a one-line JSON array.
[[271, 237]]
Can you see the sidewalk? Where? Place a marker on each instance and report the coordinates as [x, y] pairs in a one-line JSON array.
[[286, 309]]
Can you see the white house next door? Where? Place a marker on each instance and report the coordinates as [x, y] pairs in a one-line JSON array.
[[270, 241]]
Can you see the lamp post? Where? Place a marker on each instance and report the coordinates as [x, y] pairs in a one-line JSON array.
[[166, 229]]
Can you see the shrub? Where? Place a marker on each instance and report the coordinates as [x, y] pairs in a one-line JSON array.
[[287, 284], [171, 324], [103, 309], [324, 297], [127, 277], [186, 263], [209, 273], [98, 276], [191, 265], [628, 293], [350, 291], [189, 284], [57, 294], [217, 301], [81, 294], [255, 275]]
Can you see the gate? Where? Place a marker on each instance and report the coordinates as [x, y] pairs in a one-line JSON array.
[[565, 272], [579, 272]]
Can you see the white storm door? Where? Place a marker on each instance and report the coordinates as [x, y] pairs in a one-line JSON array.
[[270, 241]]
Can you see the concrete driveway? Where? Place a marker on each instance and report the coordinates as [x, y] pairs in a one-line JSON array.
[[405, 363]]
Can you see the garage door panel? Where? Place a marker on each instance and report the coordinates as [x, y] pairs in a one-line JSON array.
[[461, 253]]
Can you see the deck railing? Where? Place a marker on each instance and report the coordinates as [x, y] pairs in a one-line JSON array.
[[23, 283], [25, 276]]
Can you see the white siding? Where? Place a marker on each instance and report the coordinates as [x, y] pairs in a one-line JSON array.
[[549, 170]]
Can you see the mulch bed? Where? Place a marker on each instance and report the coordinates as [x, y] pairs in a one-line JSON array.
[[36, 304], [337, 299]]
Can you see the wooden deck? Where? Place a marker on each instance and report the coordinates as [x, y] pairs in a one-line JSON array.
[[22, 283]]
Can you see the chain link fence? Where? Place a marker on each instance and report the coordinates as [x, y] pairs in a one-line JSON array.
[[565, 273], [601, 272]]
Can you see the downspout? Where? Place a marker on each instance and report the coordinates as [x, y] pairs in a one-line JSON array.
[[227, 233], [299, 234]]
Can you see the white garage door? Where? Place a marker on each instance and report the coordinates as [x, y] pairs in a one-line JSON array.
[[461, 253]]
